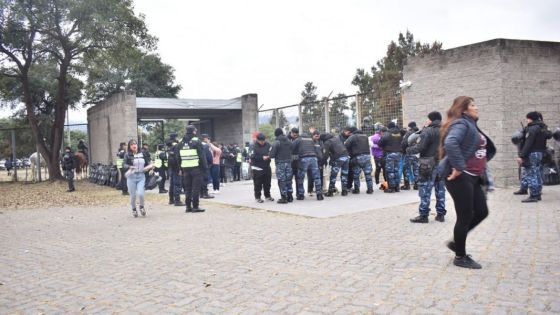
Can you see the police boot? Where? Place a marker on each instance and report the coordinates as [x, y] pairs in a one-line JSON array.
[[282, 200], [406, 186], [189, 205], [415, 187], [369, 191], [320, 197], [520, 192], [330, 193], [356, 191], [178, 203], [345, 192], [163, 191], [196, 208], [290, 197], [171, 200]]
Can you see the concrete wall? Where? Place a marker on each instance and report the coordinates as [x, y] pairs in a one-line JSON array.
[[111, 122], [249, 105], [507, 79], [228, 128]]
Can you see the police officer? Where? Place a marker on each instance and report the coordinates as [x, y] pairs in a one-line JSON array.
[[121, 153], [358, 148], [192, 162], [161, 164], [175, 180], [344, 135], [281, 152], [531, 155], [315, 135], [338, 157], [391, 145], [308, 157], [68, 166], [293, 136], [427, 144], [410, 161]]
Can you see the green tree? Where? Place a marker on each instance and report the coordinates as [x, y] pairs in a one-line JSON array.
[[338, 106], [381, 87], [282, 120], [268, 131], [312, 110], [148, 75], [60, 38]]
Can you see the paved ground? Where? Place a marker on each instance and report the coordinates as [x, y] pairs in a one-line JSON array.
[[237, 260]]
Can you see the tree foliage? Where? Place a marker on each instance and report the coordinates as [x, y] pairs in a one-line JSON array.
[[47, 47], [380, 89], [282, 120], [312, 111]]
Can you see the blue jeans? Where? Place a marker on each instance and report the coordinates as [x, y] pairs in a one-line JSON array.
[[135, 183], [306, 163]]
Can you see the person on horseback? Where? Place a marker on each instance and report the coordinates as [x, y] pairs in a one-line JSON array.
[[82, 147]]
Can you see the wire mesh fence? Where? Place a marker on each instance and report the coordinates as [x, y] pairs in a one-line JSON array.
[[333, 114]]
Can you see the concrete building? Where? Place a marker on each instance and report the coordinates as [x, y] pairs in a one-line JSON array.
[[116, 119], [507, 78]]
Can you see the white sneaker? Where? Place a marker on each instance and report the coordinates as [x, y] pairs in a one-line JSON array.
[[223, 185], [216, 192]]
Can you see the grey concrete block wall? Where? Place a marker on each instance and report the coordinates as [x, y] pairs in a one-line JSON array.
[[249, 106], [229, 128], [111, 122], [507, 79]]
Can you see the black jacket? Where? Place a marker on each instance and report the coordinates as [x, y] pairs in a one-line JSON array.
[[391, 141], [304, 146], [357, 144], [68, 162], [260, 151], [536, 134], [172, 161], [192, 143], [332, 147], [129, 160], [404, 142], [281, 149], [428, 142]]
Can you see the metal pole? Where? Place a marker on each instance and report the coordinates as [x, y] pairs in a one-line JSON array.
[[277, 120], [300, 122], [14, 164], [358, 111], [327, 120]]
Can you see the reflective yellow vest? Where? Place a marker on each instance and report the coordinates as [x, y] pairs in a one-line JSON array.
[[157, 160], [239, 157], [189, 157], [120, 162]]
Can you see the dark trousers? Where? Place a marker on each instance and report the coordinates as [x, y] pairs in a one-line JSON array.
[[237, 171], [223, 176], [162, 173], [350, 181], [69, 174], [175, 185], [192, 180], [470, 206], [122, 182], [261, 182], [205, 180], [215, 173], [379, 166]]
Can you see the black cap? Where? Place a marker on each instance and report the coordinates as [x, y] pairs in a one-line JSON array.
[[173, 136], [433, 116], [190, 129], [261, 136], [412, 124], [278, 132], [295, 130], [391, 125], [533, 116]]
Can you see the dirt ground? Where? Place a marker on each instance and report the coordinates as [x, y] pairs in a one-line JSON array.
[[18, 195]]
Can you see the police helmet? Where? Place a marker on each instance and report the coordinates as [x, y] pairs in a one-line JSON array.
[[517, 137]]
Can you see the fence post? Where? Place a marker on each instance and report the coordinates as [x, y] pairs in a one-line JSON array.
[[276, 120], [358, 111], [300, 121], [14, 164], [327, 117]]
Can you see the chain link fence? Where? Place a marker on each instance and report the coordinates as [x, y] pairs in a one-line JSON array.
[[335, 113]]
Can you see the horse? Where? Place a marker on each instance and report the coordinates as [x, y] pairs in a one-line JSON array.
[[34, 169], [82, 169]]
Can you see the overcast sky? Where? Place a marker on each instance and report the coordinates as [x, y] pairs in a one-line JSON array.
[[224, 49]]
